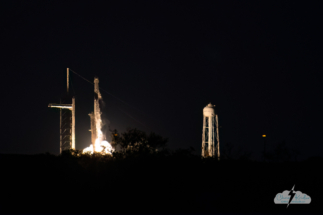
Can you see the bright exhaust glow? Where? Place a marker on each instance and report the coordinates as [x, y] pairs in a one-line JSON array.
[[100, 145], [103, 147]]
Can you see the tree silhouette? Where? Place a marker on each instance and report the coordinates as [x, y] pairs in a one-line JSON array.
[[231, 154], [281, 153], [134, 140]]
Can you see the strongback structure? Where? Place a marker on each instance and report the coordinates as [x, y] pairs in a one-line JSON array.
[[210, 134], [67, 119]]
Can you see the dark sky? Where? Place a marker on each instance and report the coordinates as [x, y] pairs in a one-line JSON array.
[[259, 62]]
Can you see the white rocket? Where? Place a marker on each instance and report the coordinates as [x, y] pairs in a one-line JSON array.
[[95, 116]]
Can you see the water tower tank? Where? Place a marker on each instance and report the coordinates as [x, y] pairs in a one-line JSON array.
[[209, 110]]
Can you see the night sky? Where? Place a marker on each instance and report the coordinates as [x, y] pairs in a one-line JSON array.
[[259, 62]]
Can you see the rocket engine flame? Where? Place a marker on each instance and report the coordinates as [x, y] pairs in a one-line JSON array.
[[100, 145], [103, 147]]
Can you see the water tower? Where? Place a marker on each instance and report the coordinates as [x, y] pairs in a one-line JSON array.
[[210, 135]]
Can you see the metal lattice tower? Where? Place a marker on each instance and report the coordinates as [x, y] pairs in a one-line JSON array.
[[210, 134], [67, 120]]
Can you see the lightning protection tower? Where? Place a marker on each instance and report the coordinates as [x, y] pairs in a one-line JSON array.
[[67, 120], [210, 136]]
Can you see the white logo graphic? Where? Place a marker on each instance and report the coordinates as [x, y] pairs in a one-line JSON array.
[[292, 197]]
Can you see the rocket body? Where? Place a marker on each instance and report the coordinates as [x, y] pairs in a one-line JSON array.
[[96, 122]]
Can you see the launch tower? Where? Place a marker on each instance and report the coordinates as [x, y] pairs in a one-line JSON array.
[[67, 119]]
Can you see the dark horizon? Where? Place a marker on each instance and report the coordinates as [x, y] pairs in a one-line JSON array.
[[142, 183], [258, 62]]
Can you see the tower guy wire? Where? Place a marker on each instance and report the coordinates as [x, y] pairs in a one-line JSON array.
[[106, 91], [115, 98], [72, 86], [133, 118]]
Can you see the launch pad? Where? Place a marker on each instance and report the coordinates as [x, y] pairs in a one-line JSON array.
[[67, 122]]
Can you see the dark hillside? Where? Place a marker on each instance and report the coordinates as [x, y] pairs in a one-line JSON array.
[[152, 184]]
